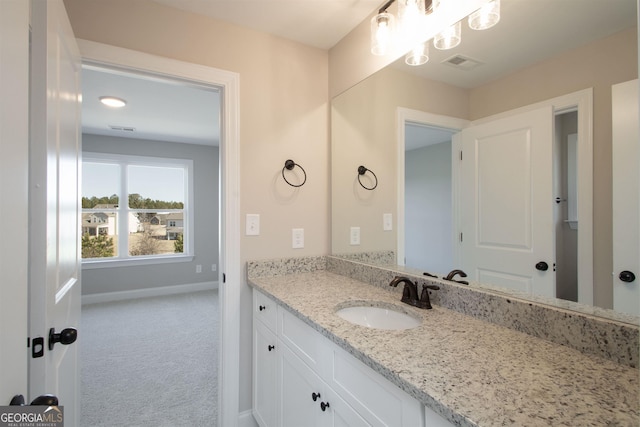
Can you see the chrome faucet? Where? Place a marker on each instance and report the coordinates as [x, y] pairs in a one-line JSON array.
[[410, 292], [453, 274]]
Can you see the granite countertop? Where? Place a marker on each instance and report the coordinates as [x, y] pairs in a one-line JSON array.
[[472, 372]]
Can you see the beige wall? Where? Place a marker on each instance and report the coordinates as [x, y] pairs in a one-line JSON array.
[[283, 114], [363, 132], [598, 65]]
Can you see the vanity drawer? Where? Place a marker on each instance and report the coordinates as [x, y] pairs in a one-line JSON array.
[[302, 339], [265, 310]]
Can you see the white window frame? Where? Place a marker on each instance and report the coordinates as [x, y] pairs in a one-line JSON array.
[[123, 258]]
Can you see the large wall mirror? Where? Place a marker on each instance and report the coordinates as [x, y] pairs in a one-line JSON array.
[[407, 126]]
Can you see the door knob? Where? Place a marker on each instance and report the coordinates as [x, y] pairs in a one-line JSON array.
[[627, 276], [43, 400], [542, 266], [66, 336]]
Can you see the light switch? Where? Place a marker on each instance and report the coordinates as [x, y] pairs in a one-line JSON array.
[[253, 225], [297, 238], [387, 222], [355, 236]]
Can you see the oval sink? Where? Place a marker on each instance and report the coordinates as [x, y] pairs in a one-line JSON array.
[[378, 317]]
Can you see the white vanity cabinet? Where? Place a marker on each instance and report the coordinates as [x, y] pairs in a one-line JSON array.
[[307, 380]]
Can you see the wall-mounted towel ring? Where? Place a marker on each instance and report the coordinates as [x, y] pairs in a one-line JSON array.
[[361, 171], [289, 165]]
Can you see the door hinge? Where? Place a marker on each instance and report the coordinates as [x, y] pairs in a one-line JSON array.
[[224, 278], [460, 154], [461, 237]]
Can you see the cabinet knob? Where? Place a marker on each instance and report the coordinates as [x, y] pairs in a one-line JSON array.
[[262, 307], [315, 396], [271, 347], [324, 406]]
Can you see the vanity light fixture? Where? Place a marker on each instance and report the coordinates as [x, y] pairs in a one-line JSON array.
[[418, 55], [112, 101], [383, 27], [411, 17], [485, 17], [450, 37]]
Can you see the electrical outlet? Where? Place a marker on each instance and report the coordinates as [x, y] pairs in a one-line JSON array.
[[355, 236], [198, 268], [214, 267], [252, 225], [297, 238], [387, 222]]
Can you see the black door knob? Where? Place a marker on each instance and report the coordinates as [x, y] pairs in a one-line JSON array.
[[315, 396], [45, 400], [627, 276], [324, 406], [66, 336], [542, 266]]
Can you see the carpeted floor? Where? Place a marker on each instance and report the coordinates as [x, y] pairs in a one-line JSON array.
[[150, 361]]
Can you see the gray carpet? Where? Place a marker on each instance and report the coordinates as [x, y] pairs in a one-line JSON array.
[[150, 361]]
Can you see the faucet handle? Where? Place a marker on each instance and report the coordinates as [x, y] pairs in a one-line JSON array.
[[434, 287]]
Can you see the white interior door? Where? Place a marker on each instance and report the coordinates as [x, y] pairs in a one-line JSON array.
[[506, 203], [626, 198], [54, 204]]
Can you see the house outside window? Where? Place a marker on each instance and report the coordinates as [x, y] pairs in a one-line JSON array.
[[135, 208]]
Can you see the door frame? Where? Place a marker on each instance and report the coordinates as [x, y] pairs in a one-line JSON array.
[[406, 116], [580, 101], [230, 273], [14, 190]]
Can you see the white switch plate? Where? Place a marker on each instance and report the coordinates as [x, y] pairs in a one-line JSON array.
[[387, 222], [297, 238], [199, 268], [355, 236], [253, 225]]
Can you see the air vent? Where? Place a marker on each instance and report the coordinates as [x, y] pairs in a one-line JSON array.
[[122, 128], [461, 62]]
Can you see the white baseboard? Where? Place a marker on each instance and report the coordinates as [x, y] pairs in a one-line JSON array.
[[245, 419], [148, 292]]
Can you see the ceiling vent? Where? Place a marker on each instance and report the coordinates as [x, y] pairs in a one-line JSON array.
[[122, 128], [461, 62]]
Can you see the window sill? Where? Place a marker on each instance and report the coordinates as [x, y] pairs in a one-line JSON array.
[[108, 263]]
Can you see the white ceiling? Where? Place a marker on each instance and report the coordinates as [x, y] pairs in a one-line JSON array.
[[529, 31], [318, 23]]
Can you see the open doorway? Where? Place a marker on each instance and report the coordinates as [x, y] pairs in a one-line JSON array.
[[145, 144], [428, 201]]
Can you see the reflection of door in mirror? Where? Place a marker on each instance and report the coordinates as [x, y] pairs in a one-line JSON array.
[[506, 200], [506, 208], [626, 198]]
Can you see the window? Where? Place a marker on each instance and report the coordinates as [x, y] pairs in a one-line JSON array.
[[135, 208]]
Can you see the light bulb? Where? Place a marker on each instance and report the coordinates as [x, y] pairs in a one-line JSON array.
[[418, 55], [449, 38], [485, 17], [382, 29]]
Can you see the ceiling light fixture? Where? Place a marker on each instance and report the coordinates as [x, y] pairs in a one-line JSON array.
[[387, 36], [112, 101]]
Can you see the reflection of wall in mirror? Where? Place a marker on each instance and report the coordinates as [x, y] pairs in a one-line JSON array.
[[371, 105], [363, 123]]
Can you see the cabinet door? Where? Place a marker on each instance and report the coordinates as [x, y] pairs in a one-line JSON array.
[[338, 413], [300, 386], [265, 362]]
